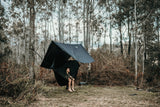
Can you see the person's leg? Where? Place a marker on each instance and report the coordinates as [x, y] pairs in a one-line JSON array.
[[73, 85], [69, 85]]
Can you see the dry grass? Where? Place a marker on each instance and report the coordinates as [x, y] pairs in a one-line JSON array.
[[93, 96]]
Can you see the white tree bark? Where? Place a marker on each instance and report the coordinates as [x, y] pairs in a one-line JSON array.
[[59, 20], [32, 40], [84, 35], [135, 11], [143, 59]]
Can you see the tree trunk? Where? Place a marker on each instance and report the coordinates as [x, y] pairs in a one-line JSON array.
[[69, 27], [18, 50], [110, 36], [69, 31], [87, 36], [77, 32], [24, 35], [93, 34], [145, 42], [129, 42], [158, 30], [143, 59], [84, 10], [110, 28], [89, 27], [45, 36], [121, 43], [62, 24], [27, 38], [32, 40], [59, 20], [53, 26], [92, 29], [105, 35], [135, 11]]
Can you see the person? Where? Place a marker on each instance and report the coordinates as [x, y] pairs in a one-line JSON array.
[[70, 81]]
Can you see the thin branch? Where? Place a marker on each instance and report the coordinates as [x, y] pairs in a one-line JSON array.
[[36, 53]]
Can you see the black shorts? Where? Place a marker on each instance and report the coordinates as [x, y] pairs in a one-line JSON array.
[[69, 76]]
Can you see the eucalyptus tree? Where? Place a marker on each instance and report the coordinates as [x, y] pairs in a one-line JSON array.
[[17, 38], [110, 8], [31, 7], [15, 10], [145, 26], [88, 26], [98, 22], [69, 20], [60, 19], [149, 27], [142, 20], [84, 24], [87, 11], [44, 14], [119, 22], [77, 14], [128, 10], [5, 50]]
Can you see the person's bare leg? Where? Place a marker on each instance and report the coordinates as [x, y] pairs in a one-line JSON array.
[[73, 85], [69, 85]]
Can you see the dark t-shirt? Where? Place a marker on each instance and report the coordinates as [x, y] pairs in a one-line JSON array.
[[69, 76]]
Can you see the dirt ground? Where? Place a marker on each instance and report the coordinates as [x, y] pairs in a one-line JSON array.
[[96, 96]]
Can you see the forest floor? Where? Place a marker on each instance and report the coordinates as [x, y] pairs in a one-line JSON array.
[[96, 96]]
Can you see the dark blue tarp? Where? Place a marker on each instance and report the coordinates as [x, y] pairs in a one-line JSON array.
[[58, 54], [57, 57]]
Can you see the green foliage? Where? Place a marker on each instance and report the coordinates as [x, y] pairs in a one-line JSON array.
[[147, 13], [3, 38], [2, 10], [153, 67]]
